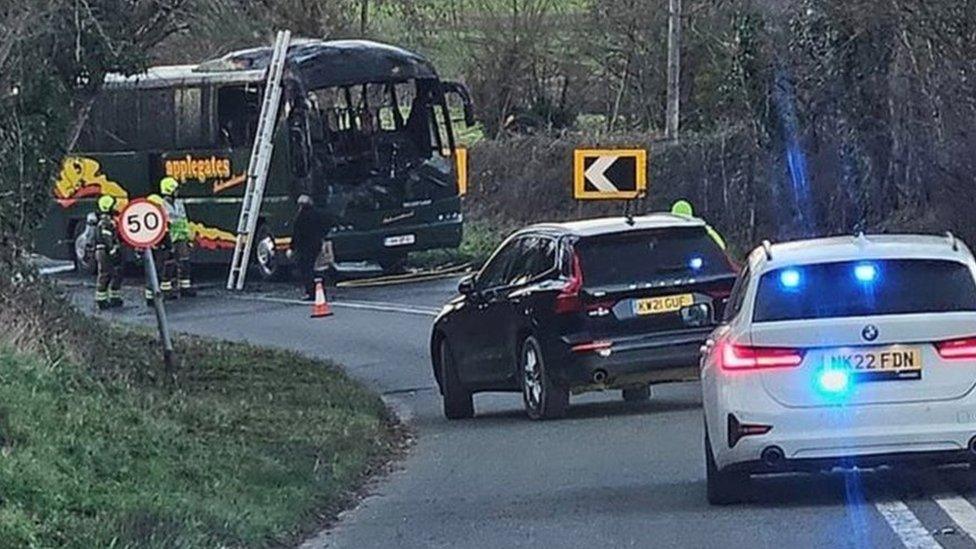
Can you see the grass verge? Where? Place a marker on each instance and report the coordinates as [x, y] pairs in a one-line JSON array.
[[245, 447]]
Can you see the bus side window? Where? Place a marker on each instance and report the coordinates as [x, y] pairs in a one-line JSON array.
[[237, 114], [189, 117], [156, 112]]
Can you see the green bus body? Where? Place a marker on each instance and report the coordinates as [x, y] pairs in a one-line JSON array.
[[388, 193]]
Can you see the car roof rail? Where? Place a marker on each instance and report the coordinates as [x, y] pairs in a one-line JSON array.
[[952, 241], [768, 248]]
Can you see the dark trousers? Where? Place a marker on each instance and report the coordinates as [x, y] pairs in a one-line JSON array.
[[305, 264], [176, 267], [109, 283]]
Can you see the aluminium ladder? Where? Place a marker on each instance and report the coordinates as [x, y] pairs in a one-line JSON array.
[[257, 171]]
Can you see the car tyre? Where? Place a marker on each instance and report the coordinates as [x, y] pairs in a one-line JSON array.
[[543, 397], [723, 487], [637, 394], [458, 402]]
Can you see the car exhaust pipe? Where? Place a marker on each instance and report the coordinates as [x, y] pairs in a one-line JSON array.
[[600, 376], [773, 457]]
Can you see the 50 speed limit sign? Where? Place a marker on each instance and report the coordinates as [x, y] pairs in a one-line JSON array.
[[142, 224]]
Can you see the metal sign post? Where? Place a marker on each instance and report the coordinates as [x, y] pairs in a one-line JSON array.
[[152, 279], [143, 225]]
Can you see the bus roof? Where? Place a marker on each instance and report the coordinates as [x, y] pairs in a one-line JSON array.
[[181, 76], [319, 63], [324, 64]]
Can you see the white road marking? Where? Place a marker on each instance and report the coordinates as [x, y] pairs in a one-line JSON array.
[[596, 174], [957, 507], [906, 525], [361, 305], [960, 511]]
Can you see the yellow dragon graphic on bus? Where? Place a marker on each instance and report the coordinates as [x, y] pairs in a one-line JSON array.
[[83, 178]]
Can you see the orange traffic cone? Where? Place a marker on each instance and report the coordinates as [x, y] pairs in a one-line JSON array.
[[321, 308]]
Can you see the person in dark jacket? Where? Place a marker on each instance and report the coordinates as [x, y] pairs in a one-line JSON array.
[[308, 232]]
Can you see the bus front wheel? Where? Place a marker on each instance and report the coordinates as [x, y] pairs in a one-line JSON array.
[[268, 261]]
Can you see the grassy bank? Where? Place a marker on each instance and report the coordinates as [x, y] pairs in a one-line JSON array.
[[248, 447]]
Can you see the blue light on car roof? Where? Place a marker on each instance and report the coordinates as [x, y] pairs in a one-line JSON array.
[[696, 263], [865, 272], [833, 381], [789, 278]]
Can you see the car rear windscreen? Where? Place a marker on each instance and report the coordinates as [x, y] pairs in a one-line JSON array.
[[647, 256], [864, 288]]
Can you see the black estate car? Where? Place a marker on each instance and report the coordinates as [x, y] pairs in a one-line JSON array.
[[562, 308]]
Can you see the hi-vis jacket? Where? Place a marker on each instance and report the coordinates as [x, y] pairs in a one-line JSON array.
[[179, 225], [106, 236]]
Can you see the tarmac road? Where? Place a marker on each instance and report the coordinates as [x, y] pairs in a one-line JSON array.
[[610, 475]]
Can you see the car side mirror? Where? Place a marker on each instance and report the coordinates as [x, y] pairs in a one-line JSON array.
[[466, 285]]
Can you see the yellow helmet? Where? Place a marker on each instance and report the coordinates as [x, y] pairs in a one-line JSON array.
[[155, 199], [168, 186], [106, 203], [682, 207]]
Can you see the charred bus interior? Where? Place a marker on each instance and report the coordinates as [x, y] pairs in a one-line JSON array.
[[378, 146]]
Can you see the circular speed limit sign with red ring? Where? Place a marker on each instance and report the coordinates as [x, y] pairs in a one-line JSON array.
[[142, 224]]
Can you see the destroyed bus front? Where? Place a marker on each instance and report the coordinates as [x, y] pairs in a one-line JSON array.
[[371, 141]]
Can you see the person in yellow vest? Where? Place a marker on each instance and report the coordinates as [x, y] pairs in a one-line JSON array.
[[683, 208], [159, 254], [176, 272], [108, 255]]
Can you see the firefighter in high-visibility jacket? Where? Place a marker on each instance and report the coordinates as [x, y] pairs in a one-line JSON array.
[[108, 256], [159, 252], [176, 281], [683, 208]]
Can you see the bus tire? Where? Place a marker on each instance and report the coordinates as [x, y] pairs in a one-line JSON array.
[[268, 261]]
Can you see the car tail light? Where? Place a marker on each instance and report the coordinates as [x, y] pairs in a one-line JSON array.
[[568, 300], [744, 357], [592, 346], [957, 349]]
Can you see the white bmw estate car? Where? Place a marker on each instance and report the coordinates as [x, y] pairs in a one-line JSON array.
[[842, 352]]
